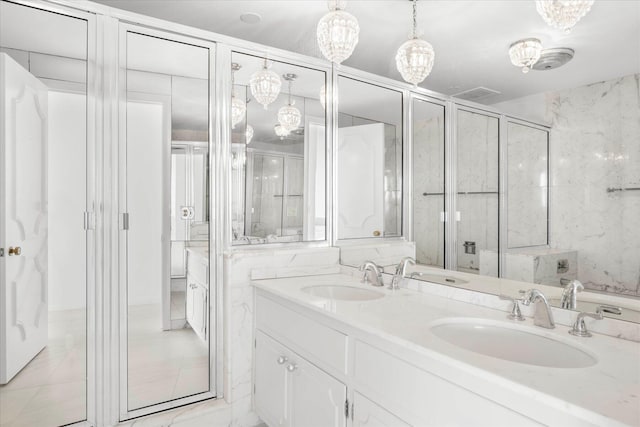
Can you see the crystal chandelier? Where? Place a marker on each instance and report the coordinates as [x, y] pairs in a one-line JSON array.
[[265, 85], [414, 58], [525, 53], [248, 134], [323, 96], [281, 131], [563, 14], [337, 32], [238, 106], [289, 116]]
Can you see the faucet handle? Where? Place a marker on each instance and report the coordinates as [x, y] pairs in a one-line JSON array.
[[515, 314], [580, 328]]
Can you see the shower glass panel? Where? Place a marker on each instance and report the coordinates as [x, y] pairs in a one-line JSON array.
[[165, 252], [527, 186], [429, 183], [44, 268], [369, 152], [278, 174], [477, 201]]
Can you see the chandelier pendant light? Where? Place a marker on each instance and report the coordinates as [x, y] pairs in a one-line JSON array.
[[248, 134], [289, 116], [265, 85], [337, 32], [238, 106], [281, 131], [524, 53], [415, 57], [563, 14]]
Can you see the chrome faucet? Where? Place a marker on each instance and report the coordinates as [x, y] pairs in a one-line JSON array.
[[580, 328], [401, 272], [375, 269], [569, 298], [542, 315]]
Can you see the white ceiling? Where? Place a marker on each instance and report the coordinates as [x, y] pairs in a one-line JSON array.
[[470, 38]]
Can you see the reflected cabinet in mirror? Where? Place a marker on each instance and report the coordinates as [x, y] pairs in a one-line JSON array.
[[44, 175], [164, 176], [369, 156], [278, 152]]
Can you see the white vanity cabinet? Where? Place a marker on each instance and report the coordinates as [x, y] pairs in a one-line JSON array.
[[290, 391], [370, 414], [197, 297]]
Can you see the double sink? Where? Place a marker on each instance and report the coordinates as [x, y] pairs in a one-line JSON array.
[[501, 340]]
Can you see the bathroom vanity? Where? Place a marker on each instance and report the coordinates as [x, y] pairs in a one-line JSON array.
[[330, 351]]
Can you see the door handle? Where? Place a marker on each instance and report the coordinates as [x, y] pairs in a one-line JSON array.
[[15, 251]]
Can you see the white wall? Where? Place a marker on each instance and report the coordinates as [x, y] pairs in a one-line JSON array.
[[67, 195]]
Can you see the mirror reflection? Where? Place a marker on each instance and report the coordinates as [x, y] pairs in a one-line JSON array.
[[278, 152], [43, 290], [429, 183], [166, 220], [369, 152]]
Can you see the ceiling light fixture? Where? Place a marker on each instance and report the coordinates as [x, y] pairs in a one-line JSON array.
[[337, 32], [289, 116], [524, 53], [415, 57], [281, 131], [563, 14], [265, 85], [250, 18], [238, 106], [248, 134]]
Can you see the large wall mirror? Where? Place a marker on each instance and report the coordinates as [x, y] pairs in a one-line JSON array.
[[44, 176], [278, 152], [428, 127], [164, 158], [369, 156], [477, 202]]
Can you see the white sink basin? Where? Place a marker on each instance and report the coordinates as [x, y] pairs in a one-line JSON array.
[[510, 342], [344, 293]]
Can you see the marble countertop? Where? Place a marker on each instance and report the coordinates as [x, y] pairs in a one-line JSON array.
[[607, 393]]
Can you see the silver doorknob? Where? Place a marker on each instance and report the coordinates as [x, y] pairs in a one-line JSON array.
[[292, 367], [282, 360], [15, 251]]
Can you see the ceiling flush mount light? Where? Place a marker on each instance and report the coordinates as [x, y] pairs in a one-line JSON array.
[[525, 53], [238, 106], [248, 134], [281, 131], [289, 116], [415, 57], [250, 18], [337, 32], [265, 85], [563, 14]]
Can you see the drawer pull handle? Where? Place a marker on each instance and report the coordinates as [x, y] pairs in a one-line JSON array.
[[282, 360], [292, 367]]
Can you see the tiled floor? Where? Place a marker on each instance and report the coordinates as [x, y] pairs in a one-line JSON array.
[[51, 390], [163, 365]]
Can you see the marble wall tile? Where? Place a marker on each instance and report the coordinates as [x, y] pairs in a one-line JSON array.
[[383, 253], [594, 146], [241, 266]]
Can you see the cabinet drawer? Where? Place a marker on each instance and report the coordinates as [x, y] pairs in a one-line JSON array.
[[414, 394], [314, 341], [197, 269]]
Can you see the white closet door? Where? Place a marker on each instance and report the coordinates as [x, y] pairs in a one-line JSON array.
[[23, 218], [360, 181]]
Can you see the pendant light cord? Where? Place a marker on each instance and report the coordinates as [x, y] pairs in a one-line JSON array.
[[415, 19]]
